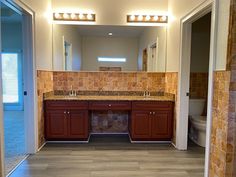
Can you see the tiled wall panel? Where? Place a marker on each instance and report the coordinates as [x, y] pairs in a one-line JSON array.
[[109, 81], [44, 84], [220, 124], [171, 86], [109, 122], [198, 85]]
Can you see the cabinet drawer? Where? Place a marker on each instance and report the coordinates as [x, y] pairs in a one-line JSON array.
[[152, 105], [110, 105], [72, 105]]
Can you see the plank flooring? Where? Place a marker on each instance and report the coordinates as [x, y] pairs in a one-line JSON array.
[[113, 157]]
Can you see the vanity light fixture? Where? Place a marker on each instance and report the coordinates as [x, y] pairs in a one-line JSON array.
[[147, 18], [74, 17]]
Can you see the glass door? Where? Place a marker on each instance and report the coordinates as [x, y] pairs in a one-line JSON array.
[[12, 81]]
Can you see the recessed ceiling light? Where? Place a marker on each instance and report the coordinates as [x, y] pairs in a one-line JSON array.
[[110, 34]]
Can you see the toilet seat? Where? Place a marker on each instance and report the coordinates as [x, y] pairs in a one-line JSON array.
[[198, 119]]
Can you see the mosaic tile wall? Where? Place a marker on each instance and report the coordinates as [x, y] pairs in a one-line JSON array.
[[198, 85], [109, 122], [103, 81], [109, 81], [114, 81], [44, 84], [219, 124], [171, 86]]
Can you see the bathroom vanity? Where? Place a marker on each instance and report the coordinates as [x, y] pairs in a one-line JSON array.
[[69, 118]]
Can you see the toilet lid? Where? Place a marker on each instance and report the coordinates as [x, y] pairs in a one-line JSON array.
[[201, 119]]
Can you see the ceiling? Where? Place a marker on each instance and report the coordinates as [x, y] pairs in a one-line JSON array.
[[9, 16], [117, 31]]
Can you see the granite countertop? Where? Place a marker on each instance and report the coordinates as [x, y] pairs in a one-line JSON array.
[[110, 98]]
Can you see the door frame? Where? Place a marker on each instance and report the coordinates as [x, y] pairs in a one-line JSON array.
[[30, 106], [184, 75]]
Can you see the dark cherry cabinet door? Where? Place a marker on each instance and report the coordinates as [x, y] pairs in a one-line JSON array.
[[56, 124], [161, 125], [141, 125], [78, 124]]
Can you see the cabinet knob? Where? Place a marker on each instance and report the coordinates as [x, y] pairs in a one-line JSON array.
[[154, 113], [64, 112], [68, 112], [150, 113], [109, 105]]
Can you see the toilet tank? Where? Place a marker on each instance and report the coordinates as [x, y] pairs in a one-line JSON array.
[[196, 106]]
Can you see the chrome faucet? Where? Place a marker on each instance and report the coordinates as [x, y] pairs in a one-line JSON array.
[[146, 93], [72, 92]]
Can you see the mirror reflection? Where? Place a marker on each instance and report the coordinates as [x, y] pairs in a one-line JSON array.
[[109, 48]]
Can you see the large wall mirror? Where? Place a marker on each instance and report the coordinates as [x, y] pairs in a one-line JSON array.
[[109, 48]]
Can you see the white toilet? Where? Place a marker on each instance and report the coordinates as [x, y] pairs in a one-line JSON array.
[[197, 132]]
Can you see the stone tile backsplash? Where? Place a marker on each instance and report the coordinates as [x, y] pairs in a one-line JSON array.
[[109, 81], [198, 85], [109, 122], [44, 85]]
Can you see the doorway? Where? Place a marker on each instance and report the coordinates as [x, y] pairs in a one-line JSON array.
[[184, 76], [12, 85], [199, 70], [17, 73]]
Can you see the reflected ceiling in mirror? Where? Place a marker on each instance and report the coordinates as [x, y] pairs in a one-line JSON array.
[[109, 48]]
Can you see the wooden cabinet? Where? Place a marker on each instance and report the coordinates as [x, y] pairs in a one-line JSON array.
[[110, 105], [66, 120], [69, 120], [140, 124], [151, 121]]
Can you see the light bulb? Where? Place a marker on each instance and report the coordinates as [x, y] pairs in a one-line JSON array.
[[140, 17], [156, 18], [132, 17], [89, 16], [81, 16], [73, 16], [110, 34], [163, 18], [65, 16], [57, 15], [148, 17]]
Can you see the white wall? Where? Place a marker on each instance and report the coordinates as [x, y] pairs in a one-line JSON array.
[[200, 48], [71, 35], [149, 37], [93, 47], [112, 12], [179, 9], [43, 32]]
